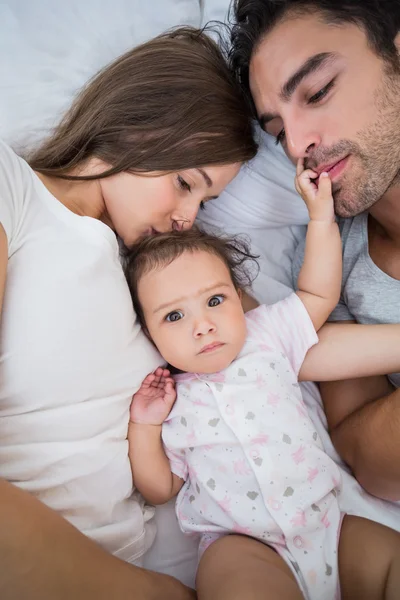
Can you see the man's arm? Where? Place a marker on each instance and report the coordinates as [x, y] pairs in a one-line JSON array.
[[364, 423]]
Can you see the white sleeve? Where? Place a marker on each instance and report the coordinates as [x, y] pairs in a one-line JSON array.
[[285, 325], [12, 191]]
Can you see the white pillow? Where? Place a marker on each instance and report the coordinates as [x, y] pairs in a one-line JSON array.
[[214, 10], [53, 47]]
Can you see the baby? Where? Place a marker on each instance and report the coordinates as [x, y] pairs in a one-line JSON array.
[[234, 438]]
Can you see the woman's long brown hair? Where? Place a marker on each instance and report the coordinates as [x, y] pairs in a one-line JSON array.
[[167, 105]]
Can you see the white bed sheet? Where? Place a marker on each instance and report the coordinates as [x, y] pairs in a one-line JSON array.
[[49, 49]]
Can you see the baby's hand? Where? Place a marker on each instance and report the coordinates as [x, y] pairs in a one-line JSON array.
[[152, 403], [318, 198]]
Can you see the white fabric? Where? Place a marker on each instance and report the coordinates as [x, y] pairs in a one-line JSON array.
[[214, 10], [49, 49], [71, 354], [250, 456]]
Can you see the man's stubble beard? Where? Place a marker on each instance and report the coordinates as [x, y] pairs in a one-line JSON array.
[[375, 156]]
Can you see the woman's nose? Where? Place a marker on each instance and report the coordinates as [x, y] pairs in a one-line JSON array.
[[186, 215]]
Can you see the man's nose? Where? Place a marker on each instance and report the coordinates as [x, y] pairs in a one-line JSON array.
[[302, 138]]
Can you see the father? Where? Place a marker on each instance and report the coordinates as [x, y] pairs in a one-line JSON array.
[[324, 76]]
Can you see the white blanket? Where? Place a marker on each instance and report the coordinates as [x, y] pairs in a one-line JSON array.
[[49, 49]]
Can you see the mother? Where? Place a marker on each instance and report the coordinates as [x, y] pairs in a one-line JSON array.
[[149, 141]]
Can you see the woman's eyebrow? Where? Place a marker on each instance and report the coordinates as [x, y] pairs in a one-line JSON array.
[[206, 177]]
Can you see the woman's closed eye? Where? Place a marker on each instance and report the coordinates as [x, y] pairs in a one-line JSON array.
[[183, 184], [216, 300], [186, 187], [174, 316]]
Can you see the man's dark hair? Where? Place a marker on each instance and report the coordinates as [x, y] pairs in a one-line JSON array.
[[253, 19]]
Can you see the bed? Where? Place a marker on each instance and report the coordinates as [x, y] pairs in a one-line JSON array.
[[49, 48]]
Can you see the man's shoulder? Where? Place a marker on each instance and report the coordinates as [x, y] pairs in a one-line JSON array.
[[353, 232]]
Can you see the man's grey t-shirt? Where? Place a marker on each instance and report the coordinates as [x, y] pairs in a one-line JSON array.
[[368, 294]]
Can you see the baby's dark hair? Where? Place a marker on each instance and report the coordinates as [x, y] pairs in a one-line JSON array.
[[158, 251]]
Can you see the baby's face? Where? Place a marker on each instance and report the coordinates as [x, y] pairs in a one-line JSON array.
[[193, 313]]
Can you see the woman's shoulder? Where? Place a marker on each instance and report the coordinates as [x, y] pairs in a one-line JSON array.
[[7, 154], [15, 178], [12, 166]]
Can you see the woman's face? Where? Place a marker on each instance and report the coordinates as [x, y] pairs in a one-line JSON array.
[[138, 205]]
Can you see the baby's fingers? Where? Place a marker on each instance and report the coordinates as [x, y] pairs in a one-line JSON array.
[[299, 167], [147, 381], [324, 187], [305, 186], [170, 394]]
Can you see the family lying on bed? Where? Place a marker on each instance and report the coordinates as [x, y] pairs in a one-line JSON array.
[[151, 139]]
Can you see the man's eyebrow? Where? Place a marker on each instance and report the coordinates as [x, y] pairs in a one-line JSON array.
[[312, 64], [205, 177], [200, 292]]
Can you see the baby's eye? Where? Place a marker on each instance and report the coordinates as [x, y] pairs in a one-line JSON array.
[[216, 300], [174, 316]]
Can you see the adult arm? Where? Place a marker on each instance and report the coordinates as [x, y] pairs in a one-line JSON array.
[[43, 557], [363, 415], [364, 424], [348, 351]]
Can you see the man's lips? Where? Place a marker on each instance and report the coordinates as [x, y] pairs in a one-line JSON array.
[[211, 347], [333, 169]]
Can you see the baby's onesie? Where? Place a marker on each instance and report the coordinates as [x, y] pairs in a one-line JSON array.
[[251, 459]]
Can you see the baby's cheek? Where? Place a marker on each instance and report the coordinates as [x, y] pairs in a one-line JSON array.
[[171, 348]]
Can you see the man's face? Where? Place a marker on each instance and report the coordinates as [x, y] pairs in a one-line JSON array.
[[326, 96]]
